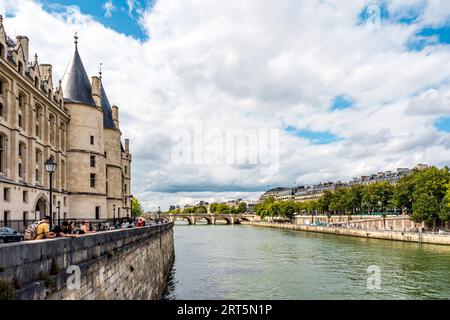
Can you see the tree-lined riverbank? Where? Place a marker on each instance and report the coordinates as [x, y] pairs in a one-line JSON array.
[[417, 237]]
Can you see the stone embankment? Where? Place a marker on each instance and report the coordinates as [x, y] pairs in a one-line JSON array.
[[114, 265], [362, 233]]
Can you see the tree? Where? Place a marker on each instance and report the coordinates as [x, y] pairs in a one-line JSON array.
[[403, 193], [323, 204], [241, 208], [355, 197], [430, 195], [136, 208], [200, 210]]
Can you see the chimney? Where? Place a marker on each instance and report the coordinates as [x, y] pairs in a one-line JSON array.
[[127, 145], [96, 90], [115, 116], [23, 40]]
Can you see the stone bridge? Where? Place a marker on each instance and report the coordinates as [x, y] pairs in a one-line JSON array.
[[209, 218]]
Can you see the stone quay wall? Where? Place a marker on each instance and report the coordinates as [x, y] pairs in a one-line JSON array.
[[123, 264], [374, 234]]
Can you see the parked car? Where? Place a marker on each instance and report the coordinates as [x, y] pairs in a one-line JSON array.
[[9, 235]]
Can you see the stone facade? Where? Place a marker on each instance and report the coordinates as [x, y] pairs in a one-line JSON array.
[[125, 264], [74, 124]]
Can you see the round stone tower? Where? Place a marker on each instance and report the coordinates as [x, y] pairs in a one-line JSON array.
[[113, 152], [86, 162]]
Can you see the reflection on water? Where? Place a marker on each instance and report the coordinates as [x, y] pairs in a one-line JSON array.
[[243, 262]]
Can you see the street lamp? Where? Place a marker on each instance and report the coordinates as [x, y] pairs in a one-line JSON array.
[[114, 212], [50, 166], [59, 212], [159, 213]]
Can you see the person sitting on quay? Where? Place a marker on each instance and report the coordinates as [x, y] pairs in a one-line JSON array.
[[86, 228], [63, 230], [140, 222], [43, 230]]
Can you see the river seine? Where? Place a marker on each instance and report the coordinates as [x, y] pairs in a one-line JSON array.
[[244, 262]]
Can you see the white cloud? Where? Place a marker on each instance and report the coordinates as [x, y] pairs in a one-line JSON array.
[[253, 65], [109, 8]]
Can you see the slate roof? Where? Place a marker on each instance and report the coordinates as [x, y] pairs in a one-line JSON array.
[[75, 83]]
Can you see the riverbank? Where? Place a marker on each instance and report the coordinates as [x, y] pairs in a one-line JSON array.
[[361, 233]]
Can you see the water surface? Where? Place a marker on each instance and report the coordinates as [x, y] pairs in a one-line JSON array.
[[244, 262]]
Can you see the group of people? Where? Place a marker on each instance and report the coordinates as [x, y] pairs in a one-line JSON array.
[[127, 222], [66, 229]]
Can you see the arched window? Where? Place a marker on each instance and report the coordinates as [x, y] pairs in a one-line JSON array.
[[22, 166], [52, 129], [38, 121], [39, 166], [63, 174], [3, 99], [63, 136], [22, 111], [3, 154], [36, 82]]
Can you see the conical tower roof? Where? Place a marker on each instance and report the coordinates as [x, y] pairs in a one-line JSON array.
[[75, 83], [108, 122]]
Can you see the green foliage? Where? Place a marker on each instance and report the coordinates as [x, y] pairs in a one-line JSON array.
[[220, 208], [425, 193], [241, 208], [7, 291], [200, 210], [430, 196], [175, 211], [136, 208]]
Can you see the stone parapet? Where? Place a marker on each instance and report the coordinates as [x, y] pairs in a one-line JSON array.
[[121, 264], [373, 234]]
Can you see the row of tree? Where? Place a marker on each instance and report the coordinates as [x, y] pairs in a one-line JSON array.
[[424, 194]]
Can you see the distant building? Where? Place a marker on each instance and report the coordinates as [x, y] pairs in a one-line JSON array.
[[307, 193]]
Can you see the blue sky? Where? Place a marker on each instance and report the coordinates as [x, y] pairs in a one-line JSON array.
[[314, 137], [341, 102], [120, 16], [443, 124]]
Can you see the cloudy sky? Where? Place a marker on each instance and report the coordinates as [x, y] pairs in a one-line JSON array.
[[349, 87]]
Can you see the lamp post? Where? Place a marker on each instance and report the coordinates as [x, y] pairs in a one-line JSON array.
[[159, 213], [50, 166], [114, 212], [59, 212]]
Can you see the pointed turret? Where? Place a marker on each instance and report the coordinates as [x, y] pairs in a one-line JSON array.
[[76, 85], [108, 122]]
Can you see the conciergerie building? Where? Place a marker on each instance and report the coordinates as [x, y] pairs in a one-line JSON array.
[[73, 124]]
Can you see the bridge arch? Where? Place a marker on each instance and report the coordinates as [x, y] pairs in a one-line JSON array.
[[189, 220], [239, 220], [223, 218], [204, 218]]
